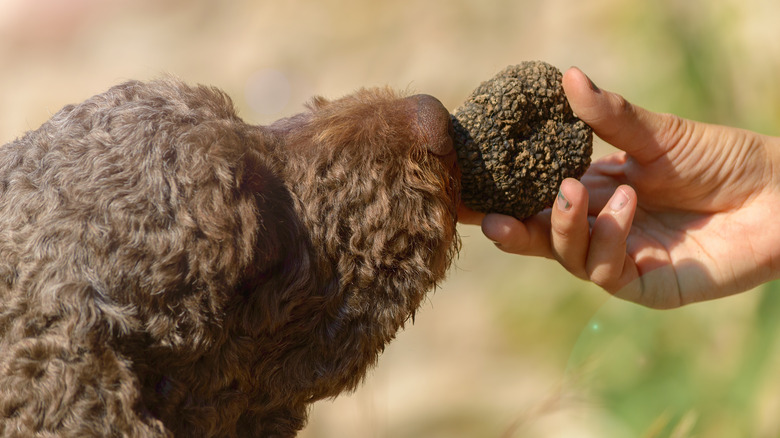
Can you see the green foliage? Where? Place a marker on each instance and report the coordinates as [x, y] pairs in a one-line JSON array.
[[705, 67], [682, 373]]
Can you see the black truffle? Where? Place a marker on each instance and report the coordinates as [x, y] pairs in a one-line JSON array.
[[517, 138]]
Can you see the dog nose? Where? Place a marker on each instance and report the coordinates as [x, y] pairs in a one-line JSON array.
[[434, 124]]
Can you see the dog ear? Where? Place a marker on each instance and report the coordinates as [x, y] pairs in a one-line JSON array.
[[282, 273]]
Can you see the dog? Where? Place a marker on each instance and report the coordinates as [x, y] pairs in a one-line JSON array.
[[167, 269]]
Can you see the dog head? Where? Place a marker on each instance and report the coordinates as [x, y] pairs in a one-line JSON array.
[[376, 186]]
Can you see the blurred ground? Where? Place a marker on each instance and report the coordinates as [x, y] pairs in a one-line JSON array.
[[508, 346]]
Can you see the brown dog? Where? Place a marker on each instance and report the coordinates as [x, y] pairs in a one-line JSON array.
[[167, 269]]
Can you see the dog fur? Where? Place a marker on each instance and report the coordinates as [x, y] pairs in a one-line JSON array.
[[169, 270]]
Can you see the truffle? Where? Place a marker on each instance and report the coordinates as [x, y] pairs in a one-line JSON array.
[[516, 139]]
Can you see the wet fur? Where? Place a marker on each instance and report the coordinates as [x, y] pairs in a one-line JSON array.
[[167, 269]]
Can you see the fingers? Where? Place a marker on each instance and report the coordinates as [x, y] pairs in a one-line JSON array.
[[608, 264], [594, 252], [598, 252], [618, 122], [529, 237], [570, 231]]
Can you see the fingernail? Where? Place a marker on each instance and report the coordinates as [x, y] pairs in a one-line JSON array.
[[593, 86], [562, 202], [619, 200]]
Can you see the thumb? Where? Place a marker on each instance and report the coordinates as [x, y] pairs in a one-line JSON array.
[[624, 125]]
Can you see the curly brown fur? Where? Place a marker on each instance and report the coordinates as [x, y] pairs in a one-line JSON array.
[[167, 269]]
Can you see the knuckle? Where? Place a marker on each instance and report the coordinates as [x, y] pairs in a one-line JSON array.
[[574, 267], [601, 281], [578, 272], [518, 248], [623, 106], [561, 231], [603, 277], [673, 129]]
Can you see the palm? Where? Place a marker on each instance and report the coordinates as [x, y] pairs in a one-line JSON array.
[[699, 210]]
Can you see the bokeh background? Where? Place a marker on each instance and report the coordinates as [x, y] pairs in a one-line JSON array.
[[508, 346]]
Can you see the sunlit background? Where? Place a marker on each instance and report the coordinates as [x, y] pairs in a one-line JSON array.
[[508, 346]]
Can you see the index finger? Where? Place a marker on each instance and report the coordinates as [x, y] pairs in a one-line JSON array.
[[528, 237]]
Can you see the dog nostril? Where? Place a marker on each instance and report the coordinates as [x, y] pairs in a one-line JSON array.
[[434, 123]]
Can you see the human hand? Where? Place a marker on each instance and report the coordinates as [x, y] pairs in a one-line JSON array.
[[685, 212]]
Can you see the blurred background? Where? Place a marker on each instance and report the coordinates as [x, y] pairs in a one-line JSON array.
[[508, 346]]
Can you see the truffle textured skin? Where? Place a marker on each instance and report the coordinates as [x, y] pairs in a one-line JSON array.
[[516, 139]]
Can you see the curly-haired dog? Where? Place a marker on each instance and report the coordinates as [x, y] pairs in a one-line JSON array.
[[167, 269]]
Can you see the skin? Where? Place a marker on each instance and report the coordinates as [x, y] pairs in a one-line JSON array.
[[683, 212]]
